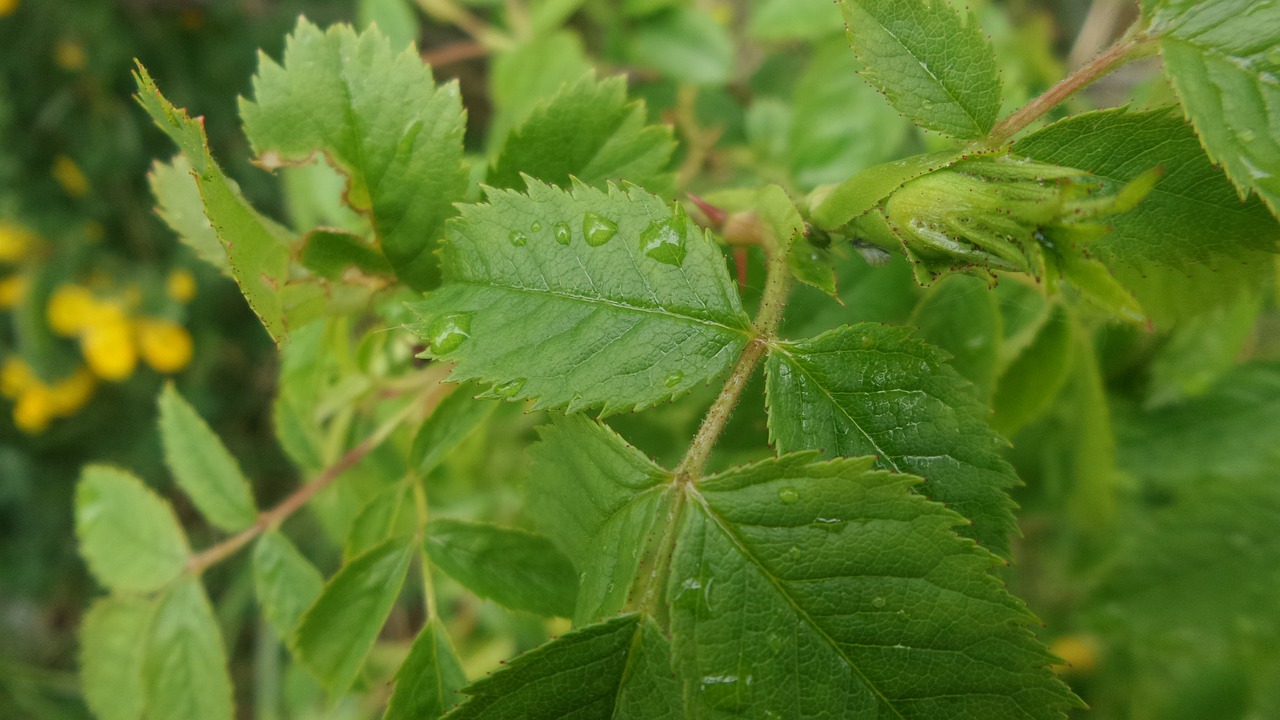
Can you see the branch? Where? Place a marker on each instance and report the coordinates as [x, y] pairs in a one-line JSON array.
[[1127, 49], [201, 561]]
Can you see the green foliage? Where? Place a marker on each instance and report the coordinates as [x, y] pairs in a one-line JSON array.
[[621, 302], [1222, 59], [398, 140], [833, 539], [933, 64]]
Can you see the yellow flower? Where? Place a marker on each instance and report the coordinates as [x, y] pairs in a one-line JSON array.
[[70, 176], [166, 345], [15, 240], [15, 376], [8, 7], [12, 289], [1079, 651], [181, 285], [69, 55], [71, 393], [70, 309], [33, 411], [109, 350]]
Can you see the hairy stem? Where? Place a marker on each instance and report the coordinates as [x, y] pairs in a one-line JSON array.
[[768, 318], [1130, 47], [278, 514]]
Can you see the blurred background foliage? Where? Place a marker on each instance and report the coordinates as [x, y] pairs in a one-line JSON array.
[[1152, 492]]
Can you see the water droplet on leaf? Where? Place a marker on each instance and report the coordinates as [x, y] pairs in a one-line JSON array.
[[509, 388], [598, 230], [446, 332], [518, 238], [788, 495], [536, 227], [674, 379], [878, 602], [562, 233], [663, 240]]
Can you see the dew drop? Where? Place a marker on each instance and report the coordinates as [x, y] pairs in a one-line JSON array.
[[795, 554], [663, 240], [509, 388], [536, 227], [774, 640], [518, 238], [877, 602], [721, 692], [446, 332], [674, 379], [788, 495], [598, 230], [562, 233], [927, 104], [1247, 135]]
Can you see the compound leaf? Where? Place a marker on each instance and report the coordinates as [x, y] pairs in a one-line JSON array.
[[583, 299], [1191, 217], [379, 117], [805, 589], [128, 535], [587, 131], [603, 503], [428, 682], [111, 656], [872, 390], [1222, 59], [339, 628], [286, 583], [514, 568], [933, 64], [202, 465], [256, 248], [619, 669], [185, 664]]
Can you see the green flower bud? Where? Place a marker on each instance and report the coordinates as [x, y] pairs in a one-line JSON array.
[[1006, 213]]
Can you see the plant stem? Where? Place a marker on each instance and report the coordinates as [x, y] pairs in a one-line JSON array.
[[768, 318], [199, 562], [452, 12], [424, 563], [1128, 48]]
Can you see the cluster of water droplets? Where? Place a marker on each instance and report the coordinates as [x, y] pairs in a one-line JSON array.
[[663, 240]]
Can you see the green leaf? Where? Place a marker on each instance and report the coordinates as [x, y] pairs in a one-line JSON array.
[[603, 503], [456, 417], [933, 64], [795, 20], [960, 315], [873, 390], [1201, 351], [328, 253], [388, 514], [805, 589], [428, 682], [286, 583], [380, 118], [583, 299], [523, 77], [1191, 217], [128, 535], [618, 669], [841, 125], [514, 568], [1031, 381], [202, 466], [111, 656], [185, 664], [178, 203], [1233, 430], [256, 248], [587, 131], [1222, 59], [396, 18], [340, 627], [683, 43]]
